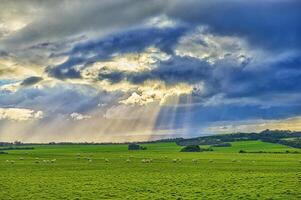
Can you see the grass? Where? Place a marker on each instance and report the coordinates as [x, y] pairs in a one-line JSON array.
[[255, 146], [221, 174]]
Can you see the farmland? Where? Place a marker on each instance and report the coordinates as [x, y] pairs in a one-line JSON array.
[[113, 172]]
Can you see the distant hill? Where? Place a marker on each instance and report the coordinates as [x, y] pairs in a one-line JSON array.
[[285, 137]]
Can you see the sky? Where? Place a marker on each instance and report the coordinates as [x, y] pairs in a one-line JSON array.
[[132, 70]]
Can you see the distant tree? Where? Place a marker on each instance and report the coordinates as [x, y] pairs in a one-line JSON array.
[[17, 143], [191, 148], [136, 147]]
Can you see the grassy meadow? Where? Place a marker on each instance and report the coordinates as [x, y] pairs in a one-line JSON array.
[[113, 172]]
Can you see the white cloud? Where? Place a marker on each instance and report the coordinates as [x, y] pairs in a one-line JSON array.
[[19, 114], [78, 116], [201, 44], [161, 21], [157, 91]]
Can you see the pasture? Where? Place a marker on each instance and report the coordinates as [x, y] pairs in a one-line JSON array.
[[160, 172]]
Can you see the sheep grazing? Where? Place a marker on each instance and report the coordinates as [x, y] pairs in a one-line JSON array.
[[21, 158], [177, 160], [10, 161], [90, 160], [146, 160], [46, 161], [53, 161], [128, 160], [106, 160], [195, 160]]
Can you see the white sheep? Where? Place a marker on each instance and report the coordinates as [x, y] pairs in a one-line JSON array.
[[53, 160], [106, 160], [128, 160], [195, 160], [21, 158], [146, 161]]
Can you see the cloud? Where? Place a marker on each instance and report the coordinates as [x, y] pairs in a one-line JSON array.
[[203, 45], [293, 123], [19, 114], [31, 80], [143, 66], [270, 24], [156, 92], [78, 116], [65, 17], [132, 41]]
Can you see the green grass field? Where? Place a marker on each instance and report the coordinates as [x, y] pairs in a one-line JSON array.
[[103, 172]]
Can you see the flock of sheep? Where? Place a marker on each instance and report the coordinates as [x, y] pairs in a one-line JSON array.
[[176, 160], [37, 160]]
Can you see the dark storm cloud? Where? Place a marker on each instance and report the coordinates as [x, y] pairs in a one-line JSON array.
[[178, 69], [281, 78], [269, 24], [58, 99], [133, 41], [63, 72], [61, 19], [31, 80], [201, 115]]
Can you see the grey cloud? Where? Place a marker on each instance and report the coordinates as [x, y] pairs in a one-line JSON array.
[[31, 80], [71, 18]]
